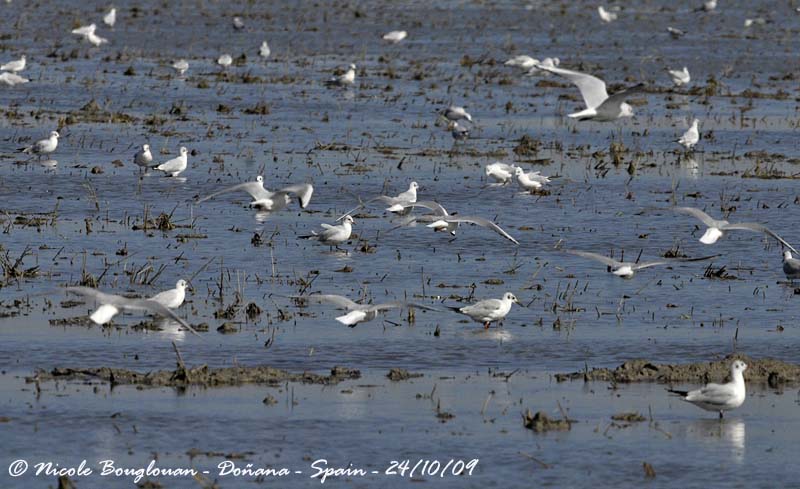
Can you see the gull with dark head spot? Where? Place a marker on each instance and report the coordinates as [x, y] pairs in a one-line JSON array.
[[359, 313], [175, 166], [43, 146], [488, 311], [111, 305], [172, 298], [441, 220], [333, 234], [345, 79], [719, 397], [269, 201], [599, 105], [718, 228]]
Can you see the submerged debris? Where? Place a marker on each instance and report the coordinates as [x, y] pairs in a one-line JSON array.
[[541, 423], [397, 374], [763, 370], [628, 417]]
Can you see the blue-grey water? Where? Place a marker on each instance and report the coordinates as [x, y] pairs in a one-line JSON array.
[[375, 138]]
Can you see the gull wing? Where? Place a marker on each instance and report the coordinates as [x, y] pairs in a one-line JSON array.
[[483, 223], [716, 394], [432, 206], [85, 30], [482, 308], [697, 213], [303, 191], [597, 257], [751, 226], [171, 165], [255, 189], [398, 305], [337, 300], [120, 302], [623, 95], [593, 89], [648, 264]]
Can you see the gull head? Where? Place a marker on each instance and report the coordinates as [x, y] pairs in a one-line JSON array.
[[511, 297], [711, 236], [146, 148], [181, 285], [519, 171], [695, 122], [184, 151], [787, 255], [55, 134], [738, 366], [349, 219], [414, 186], [353, 66], [260, 179], [625, 110]]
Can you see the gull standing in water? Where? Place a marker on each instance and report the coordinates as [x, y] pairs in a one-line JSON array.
[[599, 105], [44, 146], [690, 137], [718, 228], [172, 298], [360, 313], [225, 60], [143, 157], [345, 79], [14, 66], [440, 220], [791, 266], [459, 132], [719, 397], [181, 66], [111, 305], [488, 311], [264, 50], [333, 235], [501, 173], [111, 17], [530, 181], [680, 77], [269, 201], [176, 165]]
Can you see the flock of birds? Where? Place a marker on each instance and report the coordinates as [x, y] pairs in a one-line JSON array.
[[600, 106]]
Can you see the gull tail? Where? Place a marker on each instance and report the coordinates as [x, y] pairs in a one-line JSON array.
[[680, 393]]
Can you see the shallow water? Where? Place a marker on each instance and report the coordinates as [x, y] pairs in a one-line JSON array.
[[375, 138]]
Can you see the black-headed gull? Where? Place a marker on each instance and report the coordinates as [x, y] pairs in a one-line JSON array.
[[441, 220], [530, 181], [14, 66], [44, 146], [488, 311], [175, 166], [618, 268], [110, 18], [333, 234], [269, 201], [172, 298], [395, 36], [690, 137], [501, 173], [359, 313], [394, 203], [143, 157], [88, 34], [111, 305], [718, 228], [599, 105], [456, 113], [345, 79], [264, 51], [680, 77], [719, 397], [459, 132]]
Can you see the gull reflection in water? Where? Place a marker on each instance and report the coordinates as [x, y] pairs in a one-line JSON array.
[[690, 166], [728, 432], [49, 163], [172, 330]]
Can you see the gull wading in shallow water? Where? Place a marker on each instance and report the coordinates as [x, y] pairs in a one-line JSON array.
[[172, 298], [143, 157], [488, 311], [264, 51], [459, 132], [180, 66], [691, 137], [175, 166], [359, 313], [680, 77], [225, 60], [719, 397], [599, 105], [266, 200], [43, 146], [333, 234], [530, 181], [111, 305], [440, 220], [345, 79], [718, 228]]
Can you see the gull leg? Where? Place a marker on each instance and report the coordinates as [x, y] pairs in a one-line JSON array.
[[720, 414], [486, 325]]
